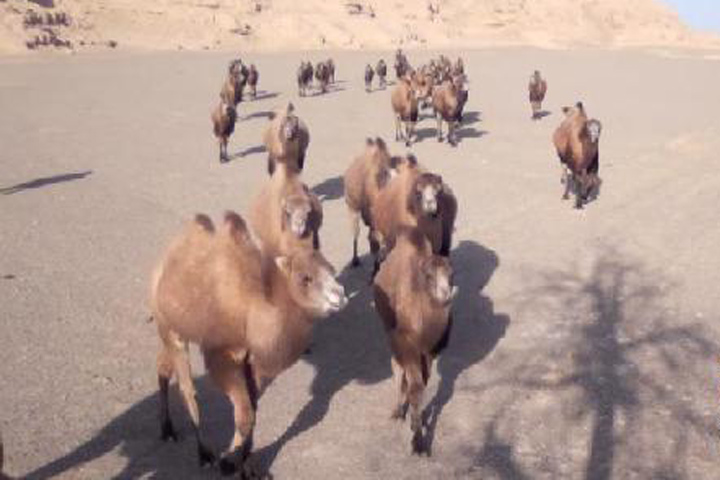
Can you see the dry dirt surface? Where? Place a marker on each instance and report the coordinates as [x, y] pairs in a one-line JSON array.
[[586, 343], [277, 25]]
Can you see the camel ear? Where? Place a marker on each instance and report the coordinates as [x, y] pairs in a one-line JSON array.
[[369, 142], [290, 108], [283, 264], [380, 143], [412, 160]]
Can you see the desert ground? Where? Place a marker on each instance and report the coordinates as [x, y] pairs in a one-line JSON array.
[[586, 342]]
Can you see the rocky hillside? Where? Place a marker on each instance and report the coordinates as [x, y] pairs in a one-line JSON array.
[[307, 24]]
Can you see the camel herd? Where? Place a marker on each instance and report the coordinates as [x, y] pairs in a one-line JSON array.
[[248, 293], [248, 296]]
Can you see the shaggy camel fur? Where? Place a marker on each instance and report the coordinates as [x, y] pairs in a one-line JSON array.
[[250, 315], [413, 294], [448, 101], [286, 215], [366, 176], [404, 103], [286, 139], [414, 198], [537, 88], [576, 141], [223, 120]]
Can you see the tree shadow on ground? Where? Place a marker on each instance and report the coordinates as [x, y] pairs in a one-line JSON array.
[[44, 181], [615, 367], [330, 189]]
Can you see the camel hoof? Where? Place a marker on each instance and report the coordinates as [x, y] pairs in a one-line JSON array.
[[419, 446], [227, 467], [205, 457], [168, 432], [399, 414], [251, 473]]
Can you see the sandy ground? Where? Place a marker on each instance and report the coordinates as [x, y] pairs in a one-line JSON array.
[[586, 342], [281, 25]]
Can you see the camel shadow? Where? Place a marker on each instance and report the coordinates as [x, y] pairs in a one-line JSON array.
[[331, 89], [44, 181], [422, 134], [470, 118], [541, 114], [261, 114], [135, 435], [470, 132], [330, 189], [257, 149], [477, 328], [350, 346], [264, 95]]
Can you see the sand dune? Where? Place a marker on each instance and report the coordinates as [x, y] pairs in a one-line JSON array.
[[267, 25]]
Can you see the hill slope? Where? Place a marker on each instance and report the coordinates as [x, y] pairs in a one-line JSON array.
[[288, 24]]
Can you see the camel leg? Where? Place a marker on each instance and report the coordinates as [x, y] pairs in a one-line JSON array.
[[355, 224], [301, 160], [178, 351], [400, 410], [165, 372], [452, 138], [377, 248], [579, 181], [438, 120], [567, 179], [237, 382], [410, 129], [398, 129], [415, 388]]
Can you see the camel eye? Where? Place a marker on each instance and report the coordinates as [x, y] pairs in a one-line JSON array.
[[306, 280]]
